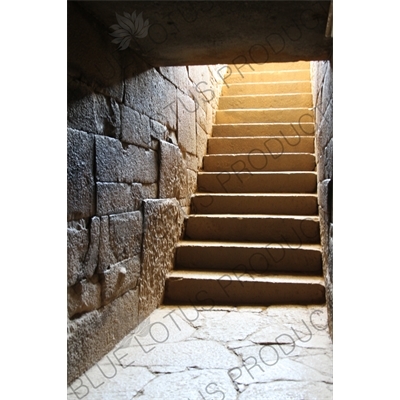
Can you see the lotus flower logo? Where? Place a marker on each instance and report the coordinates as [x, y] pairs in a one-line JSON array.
[[128, 27]]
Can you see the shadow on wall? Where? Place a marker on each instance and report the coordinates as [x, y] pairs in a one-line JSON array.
[[136, 138]]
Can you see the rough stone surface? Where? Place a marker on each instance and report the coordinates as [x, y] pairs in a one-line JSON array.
[[201, 117], [317, 70], [327, 88], [210, 115], [324, 129], [80, 180], [92, 112], [132, 164], [140, 130], [201, 145], [198, 74], [178, 76], [322, 78], [233, 353], [92, 255], [173, 177], [120, 278], [163, 221], [120, 238], [329, 160], [187, 123], [83, 296], [95, 333], [191, 162], [159, 131], [82, 249], [149, 93], [136, 128], [77, 246], [191, 183], [323, 195], [113, 198]]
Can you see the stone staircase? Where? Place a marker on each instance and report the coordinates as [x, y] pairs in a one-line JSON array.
[[252, 237]]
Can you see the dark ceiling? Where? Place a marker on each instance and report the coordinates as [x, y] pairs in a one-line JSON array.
[[217, 32]]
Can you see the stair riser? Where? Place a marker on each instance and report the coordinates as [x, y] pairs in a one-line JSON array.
[[267, 76], [265, 88], [278, 145], [301, 128], [275, 101], [290, 205], [225, 182], [253, 229], [260, 162], [272, 116], [233, 291], [239, 260]]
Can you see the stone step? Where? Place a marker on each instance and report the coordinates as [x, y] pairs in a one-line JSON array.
[[242, 257], [257, 182], [266, 144], [305, 127], [266, 88], [247, 203], [286, 66], [267, 76], [253, 228], [261, 115], [266, 101], [259, 161], [212, 288]]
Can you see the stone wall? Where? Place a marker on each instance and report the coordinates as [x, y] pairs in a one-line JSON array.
[[136, 138], [322, 83]]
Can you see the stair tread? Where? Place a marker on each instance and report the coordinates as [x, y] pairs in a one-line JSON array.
[[254, 277], [255, 195], [255, 245], [269, 83], [270, 71], [260, 137], [258, 216], [258, 154], [258, 172], [266, 94], [264, 109], [258, 123]]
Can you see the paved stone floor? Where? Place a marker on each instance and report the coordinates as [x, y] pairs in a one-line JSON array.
[[243, 353]]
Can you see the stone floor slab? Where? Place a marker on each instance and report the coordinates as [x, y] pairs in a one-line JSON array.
[[287, 391], [190, 385], [217, 352]]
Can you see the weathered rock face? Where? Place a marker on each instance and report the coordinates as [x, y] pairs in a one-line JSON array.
[[163, 222], [95, 333], [173, 175], [132, 166], [322, 79]]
